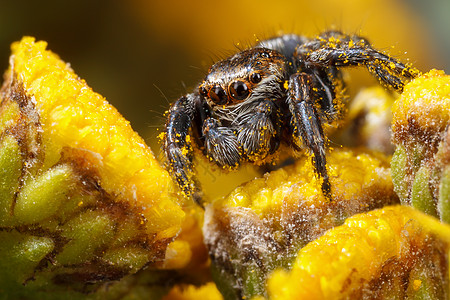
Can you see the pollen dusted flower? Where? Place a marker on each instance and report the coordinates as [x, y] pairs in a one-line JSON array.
[[83, 201], [391, 253], [190, 292], [261, 225], [421, 132]]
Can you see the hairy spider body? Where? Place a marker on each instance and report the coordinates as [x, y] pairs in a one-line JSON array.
[[282, 91]]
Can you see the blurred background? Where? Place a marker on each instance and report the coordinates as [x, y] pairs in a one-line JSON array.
[[142, 55]]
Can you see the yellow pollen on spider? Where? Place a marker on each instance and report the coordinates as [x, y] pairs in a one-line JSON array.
[[351, 44], [161, 136], [184, 151]]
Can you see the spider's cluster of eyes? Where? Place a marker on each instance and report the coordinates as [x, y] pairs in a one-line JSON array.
[[237, 90]]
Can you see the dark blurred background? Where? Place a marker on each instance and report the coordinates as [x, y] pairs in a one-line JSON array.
[[141, 55]]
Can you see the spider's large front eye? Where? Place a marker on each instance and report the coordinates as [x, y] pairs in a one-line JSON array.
[[255, 77], [239, 90], [218, 95]]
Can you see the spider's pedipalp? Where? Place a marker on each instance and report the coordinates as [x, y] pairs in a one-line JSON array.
[[256, 131], [221, 144]]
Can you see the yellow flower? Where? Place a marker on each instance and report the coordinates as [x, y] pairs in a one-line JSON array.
[[421, 132], [82, 197], [73, 116], [188, 253], [424, 104], [371, 255], [190, 292], [355, 176], [261, 225]]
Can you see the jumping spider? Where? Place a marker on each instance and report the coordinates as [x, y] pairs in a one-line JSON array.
[[283, 90]]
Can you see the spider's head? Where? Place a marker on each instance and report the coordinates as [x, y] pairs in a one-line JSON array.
[[256, 73]]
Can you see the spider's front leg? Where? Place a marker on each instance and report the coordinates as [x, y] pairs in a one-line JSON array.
[[306, 125], [177, 145], [341, 50]]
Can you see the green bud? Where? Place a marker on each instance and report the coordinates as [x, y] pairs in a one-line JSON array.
[[423, 282], [41, 198], [21, 254], [417, 155], [86, 233], [421, 197], [399, 173], [444, 196], [131, 258], [10, 171]]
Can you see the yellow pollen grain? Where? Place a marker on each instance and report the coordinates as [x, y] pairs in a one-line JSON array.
[[416, 284], [161, 136], [184, 151]]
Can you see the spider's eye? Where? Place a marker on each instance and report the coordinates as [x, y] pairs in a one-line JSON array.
[[255, 77], [203, 91], [265, 54], [218, 95], [239, 90]]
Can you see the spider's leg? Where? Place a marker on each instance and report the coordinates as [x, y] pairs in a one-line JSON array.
[[341, 50], [257, 131], [221, 144], [306, 125], [177, 145]]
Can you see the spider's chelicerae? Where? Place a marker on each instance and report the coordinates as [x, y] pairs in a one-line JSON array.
[[282, 91]]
